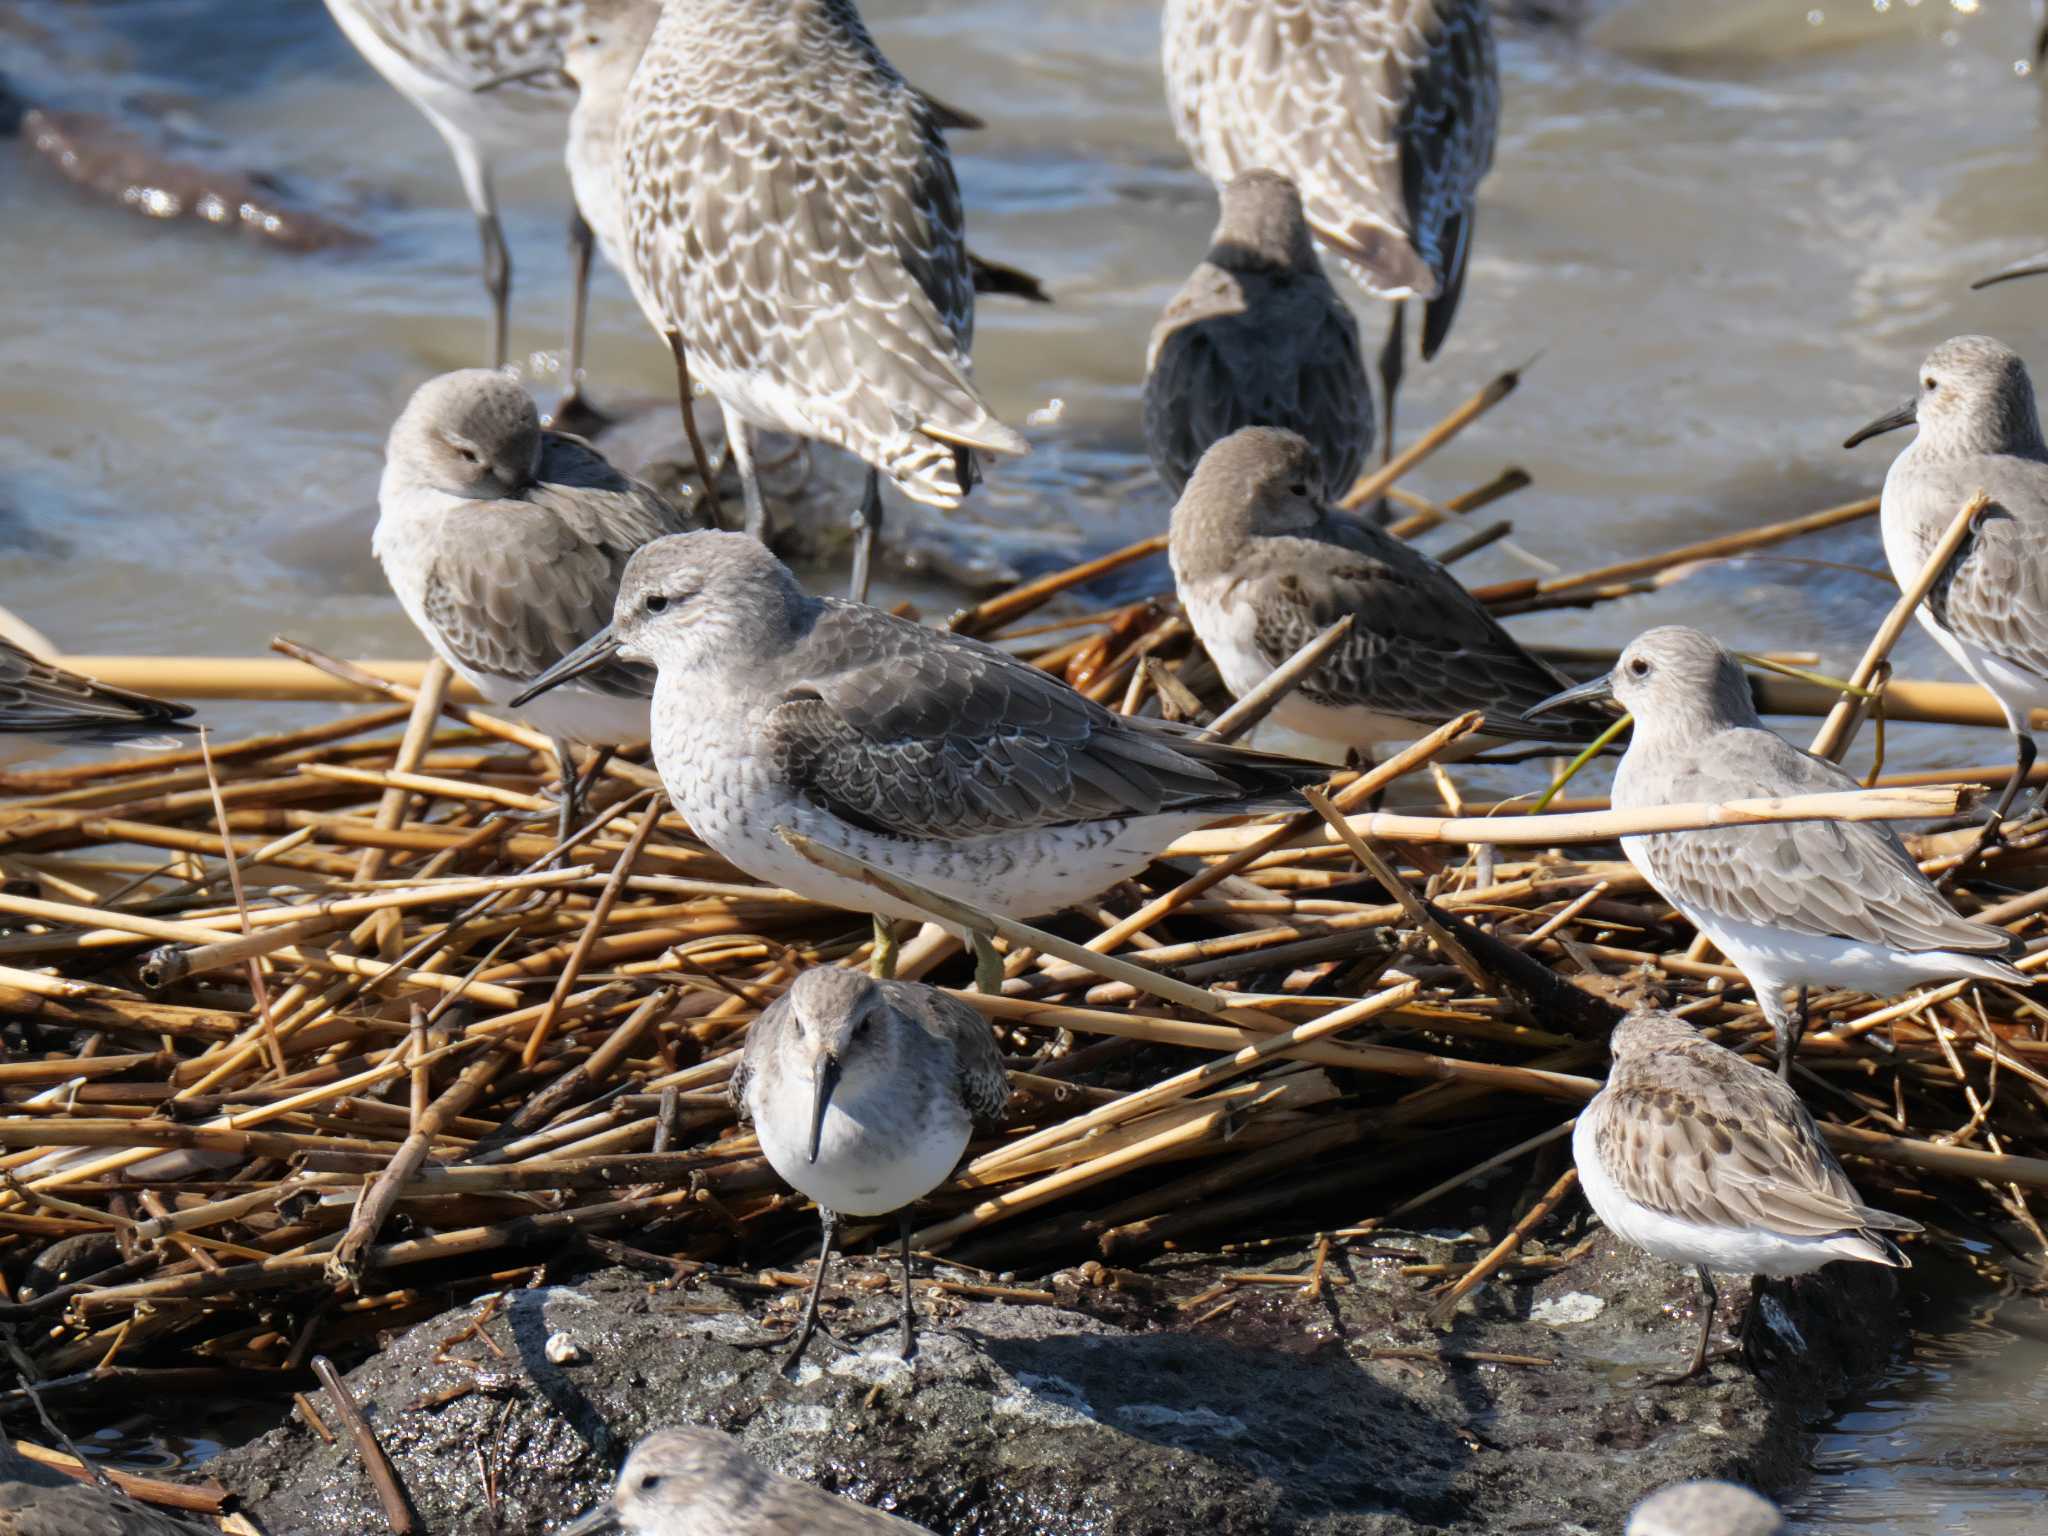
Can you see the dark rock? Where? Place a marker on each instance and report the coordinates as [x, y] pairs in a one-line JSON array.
[[1343, 1415]]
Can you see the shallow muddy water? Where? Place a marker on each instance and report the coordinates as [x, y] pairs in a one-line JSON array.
[[1727, 230]]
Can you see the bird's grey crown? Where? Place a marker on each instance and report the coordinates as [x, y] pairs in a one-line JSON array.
[[1706, 1509], [1974, 397], [1257, 481], [480, 409], [1261, 226], [1674, 678]]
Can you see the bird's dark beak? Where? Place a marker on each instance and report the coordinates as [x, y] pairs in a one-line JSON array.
[[2033, 266], [823, 1080], [1891, 421], [602, 1518], [539, 72], [1598, 691], [587, 657]]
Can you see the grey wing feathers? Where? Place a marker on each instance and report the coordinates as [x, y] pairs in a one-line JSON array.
[[1837, 879], [1446, 132], [1249, 350], [1423, 648], [916, 732], [1995, 592], [761, 1035], [39, 699], [1680, 1142], [512, 607], [984, 1083]]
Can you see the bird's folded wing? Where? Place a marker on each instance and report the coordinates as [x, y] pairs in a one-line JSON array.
[[35, 696], [915, 732], [984, 1084], [1994, 594], [513, 603]]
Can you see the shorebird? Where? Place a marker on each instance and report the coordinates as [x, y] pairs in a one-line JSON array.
[[794, 228], [1790, 903], [698, 1482], [487, 75], [863, 1094], [1264, 564], [1706, 1509], [1257, 337], [1700, 1157], [36, 1500], [1979, 430], [44, 707], [1383, 112], [927, 754], [505, 544]]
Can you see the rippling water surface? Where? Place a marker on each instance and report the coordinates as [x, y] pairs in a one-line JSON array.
[[1728, 229]]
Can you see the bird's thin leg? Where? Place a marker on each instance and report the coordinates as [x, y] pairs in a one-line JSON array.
[[483, 202], [809, 1326], [1993, 834], [1787, 1024], [580, 243], [684, 396], [1393, 357], [909, 1313], [867, 527], [1712, 1300], [739, 443], [883, 965], [988, 966], [570, 806]]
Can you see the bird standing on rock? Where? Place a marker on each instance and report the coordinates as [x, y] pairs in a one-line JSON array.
[[927, 754], [863, 1094], [793, 226], [1257, 337], [1979, 430], [1790, 903], [1383, 113]]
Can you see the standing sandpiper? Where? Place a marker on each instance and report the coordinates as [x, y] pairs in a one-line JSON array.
[[1979, 430], [794, 229], [1700, 1157], [1383, 112], [863, 1094], [1706, 1509], [1264, 564], [487, 75], [1257, 337], [698, 1482], [1790, 903], [927, 754], [506, 543]]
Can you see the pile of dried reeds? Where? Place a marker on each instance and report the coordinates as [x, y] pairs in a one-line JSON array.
[[308, 1037]]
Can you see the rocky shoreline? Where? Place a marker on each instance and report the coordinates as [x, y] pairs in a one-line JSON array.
[[1117, 1409]]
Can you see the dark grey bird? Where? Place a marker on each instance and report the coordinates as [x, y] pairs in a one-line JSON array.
[[44, 708], [1979, 430], [506, 544], [794, 228], [1383, 112], [1706, 1509], [1257, 337], [698, 1482], [945, 760], [1790, 903], [1264, 564], [863, 1094], [36, 1500], [488, 75]]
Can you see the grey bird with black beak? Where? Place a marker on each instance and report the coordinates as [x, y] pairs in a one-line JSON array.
[[699, 1482], [1979, 430], [863, 1094], [1790, 903], [506, 545]]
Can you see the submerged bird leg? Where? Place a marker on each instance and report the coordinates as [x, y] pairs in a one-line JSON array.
[[1392, 358], [883, 964], [1993, 835], [988, 966], [867, 525], [1711, 1300], [909, 1313], [702, 460], [739, 443], [571, 413]]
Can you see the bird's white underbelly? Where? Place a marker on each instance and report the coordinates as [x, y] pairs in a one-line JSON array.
[[860, 1171], [1724, 1250], [513, 116]]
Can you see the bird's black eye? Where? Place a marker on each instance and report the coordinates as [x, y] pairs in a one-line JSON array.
[[650, 1481], [1298, 489], [862, 1027], [469, 455], [1639, 668], [1927, 383], [657, 602]]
